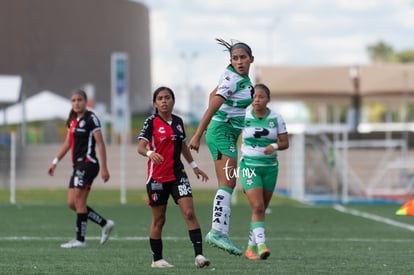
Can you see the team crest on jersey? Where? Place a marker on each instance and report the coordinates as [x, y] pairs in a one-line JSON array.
[[179, 128], [271, 124], [82, 123], [232, 148], [161, 130]]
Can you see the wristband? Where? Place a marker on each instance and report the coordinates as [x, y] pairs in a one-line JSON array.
[[149, 152], [55, 161], [275, 146], [193, 164]]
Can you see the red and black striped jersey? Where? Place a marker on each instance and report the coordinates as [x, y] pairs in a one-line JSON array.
[[165, 138], [82, 141]]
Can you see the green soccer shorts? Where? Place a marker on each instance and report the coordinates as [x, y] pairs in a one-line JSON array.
[[256, 177], [222, 138]]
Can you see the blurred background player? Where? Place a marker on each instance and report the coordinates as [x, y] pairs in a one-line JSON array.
[[224, 118], [263, 134], [84, 133], [162, 140]]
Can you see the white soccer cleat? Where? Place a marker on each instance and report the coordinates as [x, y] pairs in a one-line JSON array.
[[161, 264], [106, 230], [73, 244], [201, 261]]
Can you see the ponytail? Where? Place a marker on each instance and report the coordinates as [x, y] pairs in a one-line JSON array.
[[72, 115]]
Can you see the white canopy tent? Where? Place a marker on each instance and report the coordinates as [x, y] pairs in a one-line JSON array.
[[40, 107], [43, 106]]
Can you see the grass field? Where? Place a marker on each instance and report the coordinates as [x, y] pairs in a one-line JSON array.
[[304, 239]]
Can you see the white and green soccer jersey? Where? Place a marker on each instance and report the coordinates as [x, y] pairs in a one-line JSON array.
[[237, 92], [259, 133]]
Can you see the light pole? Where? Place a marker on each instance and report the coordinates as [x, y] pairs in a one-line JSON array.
[[354, 74]]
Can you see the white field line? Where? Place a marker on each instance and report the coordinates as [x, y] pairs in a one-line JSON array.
[[373, 217], [145, 238], [339, 208]]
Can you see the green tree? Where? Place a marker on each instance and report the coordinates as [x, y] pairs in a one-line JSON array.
[[406, 56], [381, 52]]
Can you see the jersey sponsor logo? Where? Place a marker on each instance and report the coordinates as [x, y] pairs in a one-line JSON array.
[[218, 209], [260, 132], [156, 186], [245, 84], [161, 130]]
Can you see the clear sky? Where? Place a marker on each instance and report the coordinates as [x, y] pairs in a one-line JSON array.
[[280, 32]]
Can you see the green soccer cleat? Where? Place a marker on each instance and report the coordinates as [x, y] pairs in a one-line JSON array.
[[223, 242], [264, 252]]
